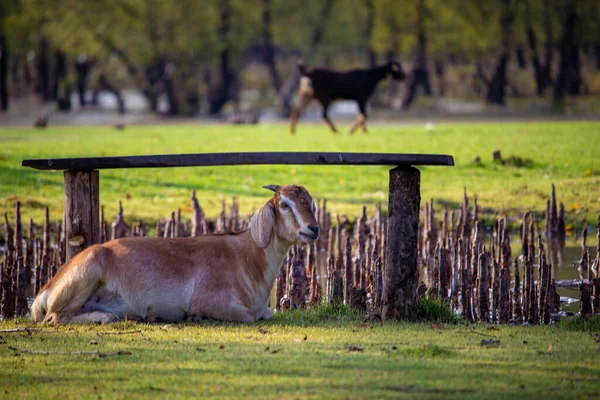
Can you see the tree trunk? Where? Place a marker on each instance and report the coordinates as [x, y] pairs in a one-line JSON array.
[[169, 89], [400, 282], [521, 61], [289, 87], [60, 71], [370, 25], [104, 84], [63, 97], [497, 86], [548, 46], [268, 44], [574, 81], [43, 69], [568, 76], [82, 69], [420, 73], [541, 70], [3, 71], [152, 83], [540, 82], [221, 94], [440, 72]]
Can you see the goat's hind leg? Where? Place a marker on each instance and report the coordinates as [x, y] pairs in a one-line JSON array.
[[327, 120], [360, 120], [71, 289]]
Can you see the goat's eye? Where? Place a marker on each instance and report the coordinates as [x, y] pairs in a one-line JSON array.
[[284, 206]]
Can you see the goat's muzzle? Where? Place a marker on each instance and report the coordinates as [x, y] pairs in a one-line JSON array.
[[310, 234]]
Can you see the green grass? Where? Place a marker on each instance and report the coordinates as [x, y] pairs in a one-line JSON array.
[[300, 355], [563, 153], [434, 310]]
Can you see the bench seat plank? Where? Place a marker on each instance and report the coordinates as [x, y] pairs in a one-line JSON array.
[[213, 159]]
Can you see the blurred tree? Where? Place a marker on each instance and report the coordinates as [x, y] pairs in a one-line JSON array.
[[369, 28], [7, 9], [568, 79], [4, 55], [189, 56], [314, 15], [269, 48], [541, 67], [419, 75], [221, 93], [497, 85]]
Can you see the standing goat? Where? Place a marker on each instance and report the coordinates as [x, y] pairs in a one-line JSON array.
[[327, 86], [226, 277]]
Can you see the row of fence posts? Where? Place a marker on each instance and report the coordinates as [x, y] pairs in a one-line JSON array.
[[481, 281]]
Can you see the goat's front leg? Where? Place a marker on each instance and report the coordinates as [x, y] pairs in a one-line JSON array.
[[94, 317], [360, 120], [327, 120], [304, 97], [241, 313], [266, 313]]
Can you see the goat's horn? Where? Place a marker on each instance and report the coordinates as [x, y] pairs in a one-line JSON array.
[[274, 188]]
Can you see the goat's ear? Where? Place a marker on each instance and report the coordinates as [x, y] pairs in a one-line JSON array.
[[261, 225]]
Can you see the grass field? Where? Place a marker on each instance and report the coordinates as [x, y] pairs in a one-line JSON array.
[[313, 355], [322, 353], [563, 153]]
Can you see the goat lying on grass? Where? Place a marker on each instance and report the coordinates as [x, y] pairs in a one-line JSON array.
[[226, 277], [327, 86]]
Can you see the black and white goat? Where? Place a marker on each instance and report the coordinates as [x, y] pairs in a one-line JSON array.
[[327, 86]]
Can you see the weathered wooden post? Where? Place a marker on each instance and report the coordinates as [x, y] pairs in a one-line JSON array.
[[400, 276], [82, 210]]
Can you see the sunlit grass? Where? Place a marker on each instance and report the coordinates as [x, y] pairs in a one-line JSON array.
[[299, 355], [563, 153]]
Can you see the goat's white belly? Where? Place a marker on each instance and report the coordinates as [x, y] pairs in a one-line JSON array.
[[167, 301]]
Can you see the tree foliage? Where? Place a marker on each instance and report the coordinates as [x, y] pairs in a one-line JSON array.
[[177, 48]]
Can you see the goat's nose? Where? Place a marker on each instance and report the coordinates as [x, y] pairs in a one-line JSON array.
[[314, 229]]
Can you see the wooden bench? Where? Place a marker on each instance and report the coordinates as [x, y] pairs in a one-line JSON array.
[[82, 202]]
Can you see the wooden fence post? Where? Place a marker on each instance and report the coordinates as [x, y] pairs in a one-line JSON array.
[[400, 276], [82, 210]]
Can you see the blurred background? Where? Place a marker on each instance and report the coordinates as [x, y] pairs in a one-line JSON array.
[[81, 61]]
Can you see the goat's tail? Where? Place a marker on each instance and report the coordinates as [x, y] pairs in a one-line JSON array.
[[301, 67], [39, 306], [70, 288]]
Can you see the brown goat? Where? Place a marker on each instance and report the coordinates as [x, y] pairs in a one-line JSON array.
[[227, 277]]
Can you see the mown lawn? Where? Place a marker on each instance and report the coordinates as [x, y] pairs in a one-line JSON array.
[[563, 153], [313, 355]]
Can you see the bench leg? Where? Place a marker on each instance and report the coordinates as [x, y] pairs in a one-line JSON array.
[[400, 276], [82, 210]]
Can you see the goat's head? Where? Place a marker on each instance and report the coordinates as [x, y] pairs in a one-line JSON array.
[[396, 70], [289, 215]]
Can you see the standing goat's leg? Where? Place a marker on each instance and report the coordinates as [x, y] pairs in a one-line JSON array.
[[305, 95], [363, 117], [360, 120], [327, 120]]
